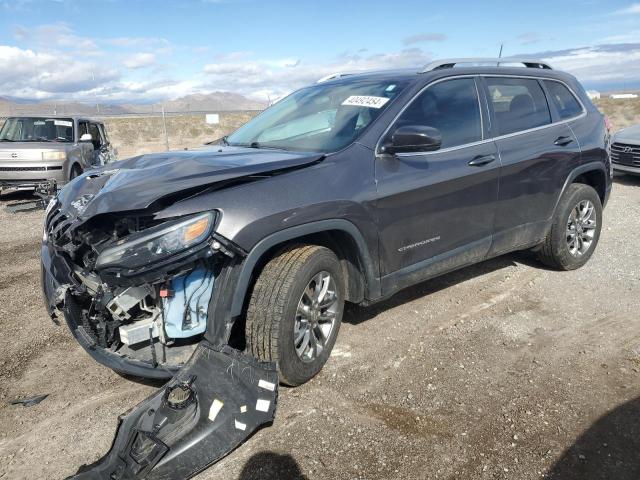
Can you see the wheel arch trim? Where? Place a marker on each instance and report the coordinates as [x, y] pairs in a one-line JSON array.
[[576, 172], [372, 283]]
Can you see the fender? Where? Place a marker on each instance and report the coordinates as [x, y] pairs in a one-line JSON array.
[[575, 173], [372, 288]]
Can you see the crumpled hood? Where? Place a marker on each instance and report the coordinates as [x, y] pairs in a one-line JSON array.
[[136, 183]]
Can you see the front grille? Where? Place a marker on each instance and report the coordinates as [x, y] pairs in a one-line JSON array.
[[28, 169], [625, 154], [57, 226]]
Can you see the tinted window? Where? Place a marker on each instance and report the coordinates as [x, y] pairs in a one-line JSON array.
[[451, 107], [564, 101], [518, 104]]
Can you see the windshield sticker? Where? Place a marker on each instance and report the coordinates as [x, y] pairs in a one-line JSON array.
[[38, 122], [63, 123], [365, 101]]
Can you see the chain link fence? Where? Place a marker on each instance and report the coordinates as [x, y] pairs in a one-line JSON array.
[[139, 133]]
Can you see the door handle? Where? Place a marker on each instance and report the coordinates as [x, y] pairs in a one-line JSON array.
[[563, 141], [481, 160]]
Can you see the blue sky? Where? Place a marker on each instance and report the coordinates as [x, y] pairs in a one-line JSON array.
[[141, 51]]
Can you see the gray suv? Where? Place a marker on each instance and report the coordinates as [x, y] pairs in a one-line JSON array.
[[625, 150], [229, 267], [34, 150]]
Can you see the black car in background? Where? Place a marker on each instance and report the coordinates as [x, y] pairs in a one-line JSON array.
[[346, 191]]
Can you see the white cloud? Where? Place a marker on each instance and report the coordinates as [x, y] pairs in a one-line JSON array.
[[632, 9], [53, 61], [276, 78], [56, 36], [31, 74], [604, 64], [140, 60]]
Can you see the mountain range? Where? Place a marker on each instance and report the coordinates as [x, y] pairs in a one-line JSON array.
[[211, 102]]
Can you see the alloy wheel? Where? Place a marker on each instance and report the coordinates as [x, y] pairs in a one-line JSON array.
[[315, 316], [581, 228]]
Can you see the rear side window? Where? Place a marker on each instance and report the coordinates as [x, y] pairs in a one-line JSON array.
[[450, 106], [562, 98], [518, 104]]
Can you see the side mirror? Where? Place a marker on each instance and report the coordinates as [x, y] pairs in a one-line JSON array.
[[86, 137], [414, 138]]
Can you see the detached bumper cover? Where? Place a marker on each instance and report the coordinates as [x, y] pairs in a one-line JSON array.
[[223, 396]]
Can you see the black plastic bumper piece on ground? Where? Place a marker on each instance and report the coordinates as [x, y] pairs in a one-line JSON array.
[[210, 407]]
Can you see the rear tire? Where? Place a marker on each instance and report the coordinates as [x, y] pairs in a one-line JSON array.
[[575, 230], [295, 311]]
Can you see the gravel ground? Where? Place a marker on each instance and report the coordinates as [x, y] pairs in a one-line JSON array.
[[504, 370]]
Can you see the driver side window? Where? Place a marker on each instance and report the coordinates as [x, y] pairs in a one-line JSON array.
[[451, 107]]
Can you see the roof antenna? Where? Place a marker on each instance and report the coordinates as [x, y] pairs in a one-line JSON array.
[[500, 54]]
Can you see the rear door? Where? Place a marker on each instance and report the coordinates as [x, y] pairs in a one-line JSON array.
[[436, 209], [537, 151]]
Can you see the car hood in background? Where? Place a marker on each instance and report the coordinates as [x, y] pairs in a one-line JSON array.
[[136, 183], [628, 135]]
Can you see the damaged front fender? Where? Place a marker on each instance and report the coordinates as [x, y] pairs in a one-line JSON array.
[[210, 407]]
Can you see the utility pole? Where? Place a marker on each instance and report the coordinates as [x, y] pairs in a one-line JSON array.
[[164, 125]]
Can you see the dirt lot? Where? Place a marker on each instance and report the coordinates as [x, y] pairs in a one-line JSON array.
[[504, 370], [622, 112], [138, 135]]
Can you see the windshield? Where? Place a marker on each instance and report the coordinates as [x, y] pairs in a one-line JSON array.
[[37, 129], [323, 118]]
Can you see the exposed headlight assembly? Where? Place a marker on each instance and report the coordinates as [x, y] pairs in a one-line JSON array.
[[157, 243], [54, 155]]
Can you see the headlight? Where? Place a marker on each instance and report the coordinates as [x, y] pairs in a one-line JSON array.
[[54, 155], [157, 243]]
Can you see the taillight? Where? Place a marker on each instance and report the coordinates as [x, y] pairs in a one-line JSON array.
[[607, 123]]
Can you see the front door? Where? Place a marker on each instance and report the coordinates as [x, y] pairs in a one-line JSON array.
[[436, 209]]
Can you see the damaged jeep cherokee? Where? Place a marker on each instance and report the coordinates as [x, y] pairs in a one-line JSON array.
[[228, 267]]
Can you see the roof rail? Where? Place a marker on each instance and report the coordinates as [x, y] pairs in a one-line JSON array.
[[452, 62], [333, 76]]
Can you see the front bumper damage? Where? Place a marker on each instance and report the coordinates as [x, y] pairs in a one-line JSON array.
[[211, 406], [213, 402], [216, 396]]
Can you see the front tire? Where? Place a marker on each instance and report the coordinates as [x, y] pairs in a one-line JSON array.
[[295, 311], [575, 230]]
